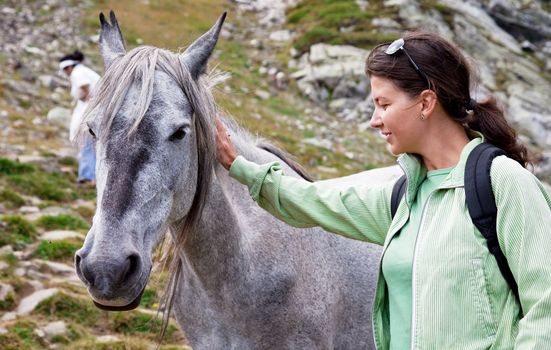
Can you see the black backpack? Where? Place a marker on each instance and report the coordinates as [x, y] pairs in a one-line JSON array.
[[480, 202]]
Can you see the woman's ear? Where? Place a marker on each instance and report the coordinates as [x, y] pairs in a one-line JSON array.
[[429, 101]]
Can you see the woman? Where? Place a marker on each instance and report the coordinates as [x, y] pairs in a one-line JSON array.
[[83, 80], [439, 286]]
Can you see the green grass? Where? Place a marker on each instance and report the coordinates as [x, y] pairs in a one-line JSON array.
[[11, 199], [21, 336], [62, 250], [70, 161], [8, 303], [45, 186], [86, 212], [137, 323], [16, 231], [321, 21], [10, 167], [33, 181], [82, 312], [65, 307], [62, 222], [313, 36], [148, 298]]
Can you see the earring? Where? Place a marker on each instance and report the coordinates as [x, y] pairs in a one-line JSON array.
[[422, 116]]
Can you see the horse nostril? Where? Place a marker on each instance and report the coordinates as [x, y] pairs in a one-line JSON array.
[[83, 270], [131, 267]]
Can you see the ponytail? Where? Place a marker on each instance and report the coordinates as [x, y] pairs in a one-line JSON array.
[[488, 118], [78, 56]]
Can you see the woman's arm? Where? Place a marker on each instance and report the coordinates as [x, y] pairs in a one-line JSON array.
[[524, 234], [84, 92], [358, 212]]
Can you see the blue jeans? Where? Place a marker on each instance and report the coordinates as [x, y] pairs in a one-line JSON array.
[[87, 162]]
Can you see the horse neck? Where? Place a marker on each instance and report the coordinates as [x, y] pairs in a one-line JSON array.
[[219, 249]]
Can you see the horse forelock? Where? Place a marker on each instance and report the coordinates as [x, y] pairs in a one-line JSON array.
[[138, 67]]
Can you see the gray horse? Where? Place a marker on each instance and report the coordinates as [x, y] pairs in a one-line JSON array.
[[240, 278]]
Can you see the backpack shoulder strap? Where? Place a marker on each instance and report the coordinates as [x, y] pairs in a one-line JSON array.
[[482, 205], [397, 193]]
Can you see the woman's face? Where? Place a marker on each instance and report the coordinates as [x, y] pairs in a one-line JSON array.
[[397, 116], [68, 70]]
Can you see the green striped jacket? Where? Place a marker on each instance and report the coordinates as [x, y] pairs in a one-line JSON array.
[[460, 299]]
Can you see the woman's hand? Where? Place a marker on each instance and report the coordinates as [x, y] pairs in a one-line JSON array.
[[226, 150]]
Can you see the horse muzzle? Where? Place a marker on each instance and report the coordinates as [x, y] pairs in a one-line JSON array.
[[114, 283]]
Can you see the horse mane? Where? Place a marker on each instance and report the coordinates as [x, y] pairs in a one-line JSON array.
[[286, 158]]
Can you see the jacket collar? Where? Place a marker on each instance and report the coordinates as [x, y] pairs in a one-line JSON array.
[[416, 171]]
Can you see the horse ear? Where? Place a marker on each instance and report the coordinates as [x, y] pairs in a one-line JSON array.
[[197, 54], [111, 43]]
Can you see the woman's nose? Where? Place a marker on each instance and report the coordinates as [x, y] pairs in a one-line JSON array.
[[376, 120]]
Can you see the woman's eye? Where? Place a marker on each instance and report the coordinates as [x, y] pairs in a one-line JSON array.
[[91, 132], [178, 134]]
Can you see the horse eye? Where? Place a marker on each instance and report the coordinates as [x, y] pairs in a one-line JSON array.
[[91, 132], [178, 134]]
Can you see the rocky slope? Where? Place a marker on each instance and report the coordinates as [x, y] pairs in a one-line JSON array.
[[298, 79]]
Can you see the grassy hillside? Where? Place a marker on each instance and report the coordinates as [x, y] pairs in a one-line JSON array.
[[39, 193], [175, 24]]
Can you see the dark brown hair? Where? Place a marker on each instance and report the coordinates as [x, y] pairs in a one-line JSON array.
[[75, 56], [450, 77]]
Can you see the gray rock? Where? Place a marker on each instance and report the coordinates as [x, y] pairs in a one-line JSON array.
[[47, 81], [39, 332], [6, 250], [522, 19], [3, 265], [281, 35], [262, 94], [60, 234], [55, 267], [107, 339], [318, 143], [362, 4], [480, 19], [28, 210], [375, 176], [60, 116], [37, 285], [9, 316], [29, 303], [54, 328], [5, 289]]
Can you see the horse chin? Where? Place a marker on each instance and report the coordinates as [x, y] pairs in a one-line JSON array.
[[134, 304]]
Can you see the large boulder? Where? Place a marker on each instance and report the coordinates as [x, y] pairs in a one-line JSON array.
[[60, 116]]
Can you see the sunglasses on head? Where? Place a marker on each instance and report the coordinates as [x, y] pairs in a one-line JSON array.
[[399, 45]]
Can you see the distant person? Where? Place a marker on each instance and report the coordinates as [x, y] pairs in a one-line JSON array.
[[83, 80], [439, 285]]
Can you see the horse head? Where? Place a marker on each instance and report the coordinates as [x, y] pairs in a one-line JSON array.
[[150, 119]]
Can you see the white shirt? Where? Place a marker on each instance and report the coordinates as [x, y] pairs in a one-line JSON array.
[[80, 76]]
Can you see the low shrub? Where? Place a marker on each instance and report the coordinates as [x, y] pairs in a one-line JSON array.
[[69, 308], [16, 231], [11, 199], [57, 250], [10, 167], [62, 222]]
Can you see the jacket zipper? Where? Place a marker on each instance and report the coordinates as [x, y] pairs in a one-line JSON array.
[[413, 284], [415, 249]]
